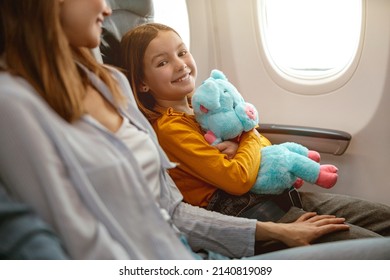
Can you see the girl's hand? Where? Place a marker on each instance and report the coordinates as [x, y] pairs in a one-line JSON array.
[[229, 148], [303, 231]]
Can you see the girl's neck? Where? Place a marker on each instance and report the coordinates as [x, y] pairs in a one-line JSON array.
[[179, 106]]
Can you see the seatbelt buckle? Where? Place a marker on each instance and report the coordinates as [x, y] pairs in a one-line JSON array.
[[295, 198]]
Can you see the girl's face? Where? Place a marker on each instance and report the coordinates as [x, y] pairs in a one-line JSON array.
[[169, 68], [82, 21]]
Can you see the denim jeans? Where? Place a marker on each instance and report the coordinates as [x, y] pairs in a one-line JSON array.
[[260, 207], [365, 218]]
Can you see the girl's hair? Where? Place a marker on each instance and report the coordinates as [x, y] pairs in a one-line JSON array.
[[133, 47], [36, 48]]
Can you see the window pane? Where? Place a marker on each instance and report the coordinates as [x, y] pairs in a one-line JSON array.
[[311, 38], [174, 14]]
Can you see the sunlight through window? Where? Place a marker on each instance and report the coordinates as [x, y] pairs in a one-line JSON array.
[[310, 39], [174, 14]]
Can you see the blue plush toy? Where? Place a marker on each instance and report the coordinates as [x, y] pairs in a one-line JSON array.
[[223, 114]]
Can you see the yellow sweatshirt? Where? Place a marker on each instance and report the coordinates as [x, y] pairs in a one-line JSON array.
[[202, 168]]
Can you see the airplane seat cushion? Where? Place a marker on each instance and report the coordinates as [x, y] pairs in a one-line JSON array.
[[126, 14]]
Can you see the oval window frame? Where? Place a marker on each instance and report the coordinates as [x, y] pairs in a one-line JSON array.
[[307, 85]]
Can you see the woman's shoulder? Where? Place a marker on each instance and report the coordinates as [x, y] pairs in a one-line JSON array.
[[114, 70], [9, 82], [118, 75], [15, 88], [18, 97]]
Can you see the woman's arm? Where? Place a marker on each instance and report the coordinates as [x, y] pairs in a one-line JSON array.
[[227, 235], [303, 231], [33, 172], [235, 237]]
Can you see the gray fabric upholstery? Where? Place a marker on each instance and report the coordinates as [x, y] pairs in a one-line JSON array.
[[126, 14]]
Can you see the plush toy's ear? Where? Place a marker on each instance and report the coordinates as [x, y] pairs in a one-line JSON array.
[[228, 87], [217, 74]]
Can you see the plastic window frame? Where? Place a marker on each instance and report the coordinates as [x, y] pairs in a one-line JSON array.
[[307, 85]]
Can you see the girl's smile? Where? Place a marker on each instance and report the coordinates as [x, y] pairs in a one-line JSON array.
[[186, 77]]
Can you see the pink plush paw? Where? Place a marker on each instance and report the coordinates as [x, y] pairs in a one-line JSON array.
[[328, 176], [313, 155], [298, 183], [210, 137]]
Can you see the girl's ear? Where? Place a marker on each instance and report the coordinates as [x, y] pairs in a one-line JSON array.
[[143, 88]]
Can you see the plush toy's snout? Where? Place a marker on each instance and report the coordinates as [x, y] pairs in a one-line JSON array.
[[251, 112]]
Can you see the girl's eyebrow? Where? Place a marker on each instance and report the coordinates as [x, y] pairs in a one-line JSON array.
[[157, 56]]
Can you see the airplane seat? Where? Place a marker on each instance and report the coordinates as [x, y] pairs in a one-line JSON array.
[[125, 15]]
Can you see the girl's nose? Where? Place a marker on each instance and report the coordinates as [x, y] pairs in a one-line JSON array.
[[181, 66]]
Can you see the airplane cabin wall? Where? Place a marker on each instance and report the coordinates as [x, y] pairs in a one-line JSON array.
[[224, 35]]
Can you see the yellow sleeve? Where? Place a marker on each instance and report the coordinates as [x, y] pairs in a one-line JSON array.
[[183, 141]]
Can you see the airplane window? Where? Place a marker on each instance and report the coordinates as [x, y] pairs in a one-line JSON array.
[[174, 14], [310, 39]]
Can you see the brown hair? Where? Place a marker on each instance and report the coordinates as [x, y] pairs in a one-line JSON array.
[[133, 47], [36, 48]]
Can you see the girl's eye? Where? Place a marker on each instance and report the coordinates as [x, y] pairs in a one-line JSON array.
[[183, 52], [162, 63]]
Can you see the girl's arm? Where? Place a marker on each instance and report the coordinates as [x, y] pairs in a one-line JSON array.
[[182, 140], [229, 148]]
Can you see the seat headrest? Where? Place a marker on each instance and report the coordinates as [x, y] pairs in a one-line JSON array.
[[126, 14]]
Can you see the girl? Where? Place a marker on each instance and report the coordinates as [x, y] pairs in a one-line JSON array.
[[162, 74]]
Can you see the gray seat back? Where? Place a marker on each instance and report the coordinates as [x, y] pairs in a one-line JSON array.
[[126, 14]]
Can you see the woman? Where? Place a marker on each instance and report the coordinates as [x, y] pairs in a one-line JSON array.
[[68, 154]]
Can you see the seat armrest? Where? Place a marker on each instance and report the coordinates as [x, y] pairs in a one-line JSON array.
[[321, 140]]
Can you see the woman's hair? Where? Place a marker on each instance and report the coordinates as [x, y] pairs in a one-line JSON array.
[[133, 47], [36, 48]]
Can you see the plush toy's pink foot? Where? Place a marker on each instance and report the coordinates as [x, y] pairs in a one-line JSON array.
[[328, 176], [298, 183], [210, 137], [313, 155]]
